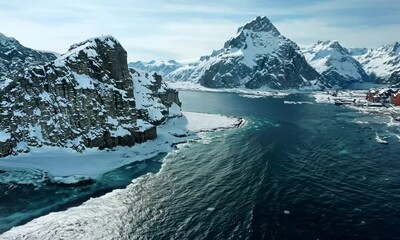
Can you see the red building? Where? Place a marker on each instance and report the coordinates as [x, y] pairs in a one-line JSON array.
[[396, 98]]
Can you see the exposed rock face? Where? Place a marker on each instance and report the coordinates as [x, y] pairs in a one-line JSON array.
[[14, 58], [84, 98], [160, 67], [381, 62], [258, 56], [335, 63]]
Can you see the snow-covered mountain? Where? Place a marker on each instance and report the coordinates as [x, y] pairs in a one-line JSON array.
[[14, 57], [335, 63], [160, 67], [258, 56], [380, 62], [87, 97]]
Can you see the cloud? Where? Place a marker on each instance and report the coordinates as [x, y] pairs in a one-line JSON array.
[[307, 31], [178, 29]]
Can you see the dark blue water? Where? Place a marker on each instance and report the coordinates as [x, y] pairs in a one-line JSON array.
[[311, 161], [20, 203], [305, 171]]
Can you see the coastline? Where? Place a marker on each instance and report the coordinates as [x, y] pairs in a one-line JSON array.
[[62, 165], [109, 205]]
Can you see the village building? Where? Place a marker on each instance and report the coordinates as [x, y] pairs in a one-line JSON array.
[[384, 96], [395, 98]]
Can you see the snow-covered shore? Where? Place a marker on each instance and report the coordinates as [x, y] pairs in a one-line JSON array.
[[244, 92], [82, 222], [59, 163], [356, 99]]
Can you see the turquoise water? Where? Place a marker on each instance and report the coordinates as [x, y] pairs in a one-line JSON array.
[[304, 171]]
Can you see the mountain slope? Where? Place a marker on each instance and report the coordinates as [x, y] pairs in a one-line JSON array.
[[84, 98], [380, 62], [258, 56], [335, 63], [14, 58]]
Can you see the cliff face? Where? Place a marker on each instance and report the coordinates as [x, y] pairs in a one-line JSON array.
[[84, 98]]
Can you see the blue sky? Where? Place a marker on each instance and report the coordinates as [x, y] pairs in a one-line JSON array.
[[185, 30]]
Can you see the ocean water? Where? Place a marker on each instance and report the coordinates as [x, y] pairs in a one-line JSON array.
[[295, 171]]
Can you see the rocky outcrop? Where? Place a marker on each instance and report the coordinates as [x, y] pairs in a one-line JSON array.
[[84, 98], [335, 63], [155, 102], [258, 56]]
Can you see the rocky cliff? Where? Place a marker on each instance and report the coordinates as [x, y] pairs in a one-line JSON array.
[[335, 63], [258, 56], [84, 98]]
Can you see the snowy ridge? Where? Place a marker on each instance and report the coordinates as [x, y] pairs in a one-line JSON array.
[[160, 67], [15, 59], [381, 62], [335, 63]]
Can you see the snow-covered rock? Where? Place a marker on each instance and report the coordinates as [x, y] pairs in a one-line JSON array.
[[160, 67], [380, 62], [15, 58], [258, 56], [335, 63], [84, 98], [155, 101]]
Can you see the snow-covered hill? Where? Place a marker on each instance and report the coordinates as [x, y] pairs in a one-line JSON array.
[[380, 62], [84, 98], [335, 63], [258, 56], [160, 67]]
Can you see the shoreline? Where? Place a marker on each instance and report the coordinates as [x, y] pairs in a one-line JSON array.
[[356, 100], [219, 122], [65, 166]]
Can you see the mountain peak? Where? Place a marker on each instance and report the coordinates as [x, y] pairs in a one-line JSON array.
[[92, 48], [330, 44], [108, 40], [260, 24]]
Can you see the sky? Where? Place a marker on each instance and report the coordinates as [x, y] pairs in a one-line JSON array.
[[185, 30]]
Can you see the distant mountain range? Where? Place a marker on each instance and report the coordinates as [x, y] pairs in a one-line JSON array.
[[259, 56], [161, 67], [382, 63]]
